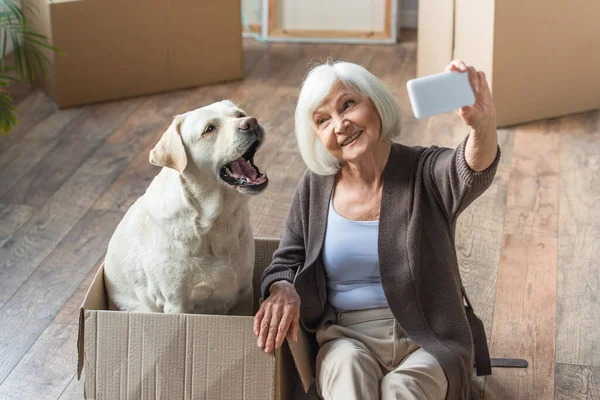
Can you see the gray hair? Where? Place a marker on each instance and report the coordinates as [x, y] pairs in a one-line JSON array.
[[316, 87]]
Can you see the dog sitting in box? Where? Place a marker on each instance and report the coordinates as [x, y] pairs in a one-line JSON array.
[[186, 245]]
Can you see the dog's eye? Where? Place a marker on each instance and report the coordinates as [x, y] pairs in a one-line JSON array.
[[241, 115], [209, 128]]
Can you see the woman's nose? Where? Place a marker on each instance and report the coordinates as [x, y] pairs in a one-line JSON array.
[[341, 125]]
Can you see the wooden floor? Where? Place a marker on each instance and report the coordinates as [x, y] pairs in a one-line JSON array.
[[529, 248]]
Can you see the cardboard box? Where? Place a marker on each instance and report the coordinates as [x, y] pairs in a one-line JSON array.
[[123, 48], [184, 356], [541, 57]]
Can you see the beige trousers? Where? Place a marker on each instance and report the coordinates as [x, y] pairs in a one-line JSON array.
[[364, 355]]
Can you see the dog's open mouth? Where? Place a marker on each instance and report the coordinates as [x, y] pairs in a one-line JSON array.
[[242, 171]]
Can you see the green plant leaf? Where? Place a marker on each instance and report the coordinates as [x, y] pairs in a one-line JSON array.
[[8, 77], [30, 36], [17, 56], [8, 119], [29, 55], [30, 74], [4, 42]]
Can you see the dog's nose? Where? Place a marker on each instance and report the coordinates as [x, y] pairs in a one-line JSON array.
[[248, 124]]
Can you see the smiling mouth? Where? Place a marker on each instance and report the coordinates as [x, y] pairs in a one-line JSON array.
[[242, 171], [351, 139]]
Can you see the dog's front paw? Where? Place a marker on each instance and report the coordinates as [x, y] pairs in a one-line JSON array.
[[174, 308]]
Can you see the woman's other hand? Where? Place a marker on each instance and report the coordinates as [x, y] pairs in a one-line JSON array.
[[279, 313], [482, 114]]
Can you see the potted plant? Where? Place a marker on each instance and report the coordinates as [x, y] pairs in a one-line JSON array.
[[27, 60]]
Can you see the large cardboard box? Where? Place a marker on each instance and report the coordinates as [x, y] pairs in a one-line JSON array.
[[541, 57], [122, 48], [184, 356]]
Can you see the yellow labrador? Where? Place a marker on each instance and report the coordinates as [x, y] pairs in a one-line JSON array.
[[186, 245]]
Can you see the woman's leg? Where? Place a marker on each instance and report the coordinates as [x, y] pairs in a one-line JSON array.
[[346, 370], [419, 377]]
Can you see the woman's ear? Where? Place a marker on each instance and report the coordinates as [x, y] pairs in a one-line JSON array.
[[169, 151]]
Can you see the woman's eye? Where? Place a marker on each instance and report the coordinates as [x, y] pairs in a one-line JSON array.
[[320, 121], [209, 128], [348, 104]]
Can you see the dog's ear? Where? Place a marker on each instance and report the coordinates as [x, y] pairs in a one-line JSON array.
[[169, 151]]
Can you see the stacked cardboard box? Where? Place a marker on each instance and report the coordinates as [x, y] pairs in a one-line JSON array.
[[122, 48], [541, 57]]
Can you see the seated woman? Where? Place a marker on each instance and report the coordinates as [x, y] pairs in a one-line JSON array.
[[367, 258]]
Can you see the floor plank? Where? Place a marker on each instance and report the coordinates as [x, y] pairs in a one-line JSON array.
[[524, 317], [532, 207], [47, 368], [12, 217], [69, 313], [34, 146], [75, 389], [29, 311], [578, 333], [253, 53], [34, 108], [66, 154], [19, 91], [268, 210], [577, 382]]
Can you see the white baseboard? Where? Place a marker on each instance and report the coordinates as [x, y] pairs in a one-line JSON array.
[[409, 19]]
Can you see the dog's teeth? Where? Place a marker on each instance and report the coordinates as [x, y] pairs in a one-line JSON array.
[[228, 171]]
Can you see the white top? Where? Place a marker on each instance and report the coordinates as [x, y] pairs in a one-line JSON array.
[[351, 261]]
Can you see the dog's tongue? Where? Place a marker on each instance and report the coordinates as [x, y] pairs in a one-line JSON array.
[[241, 168]]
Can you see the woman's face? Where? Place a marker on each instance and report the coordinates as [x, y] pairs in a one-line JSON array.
[[347, 124]]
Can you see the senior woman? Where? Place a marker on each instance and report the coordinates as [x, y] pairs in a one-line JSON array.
[[367, 257]]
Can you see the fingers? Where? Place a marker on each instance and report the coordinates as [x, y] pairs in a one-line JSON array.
[[257, 319], [483, 83], [272, 325], [275, 318], [456, 65], [263, 327], [273, 329], [474, 79], [284, 325]]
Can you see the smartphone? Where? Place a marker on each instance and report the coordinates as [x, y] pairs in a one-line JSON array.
[[440, 93]]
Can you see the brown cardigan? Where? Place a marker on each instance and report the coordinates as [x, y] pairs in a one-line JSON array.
[[424, 191]]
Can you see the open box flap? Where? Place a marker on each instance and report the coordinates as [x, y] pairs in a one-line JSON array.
[[303, 358], [95, 299]]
